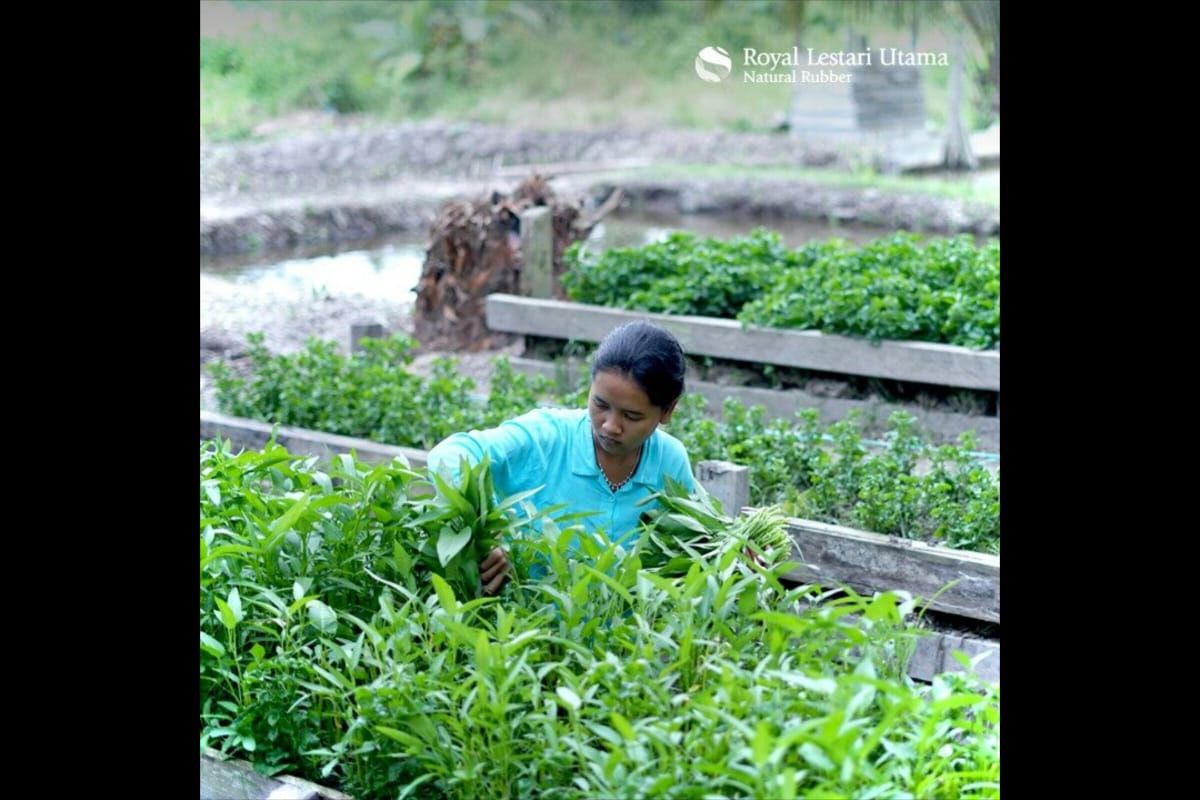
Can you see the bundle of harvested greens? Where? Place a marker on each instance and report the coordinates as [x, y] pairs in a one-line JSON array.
[[683, 528], [463, 523]]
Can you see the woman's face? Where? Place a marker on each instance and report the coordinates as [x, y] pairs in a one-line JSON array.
[[622, 415]]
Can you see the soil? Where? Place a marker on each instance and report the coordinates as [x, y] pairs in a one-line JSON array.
[[228, 312]]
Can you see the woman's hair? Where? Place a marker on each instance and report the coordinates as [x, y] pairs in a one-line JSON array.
[[648, 354]]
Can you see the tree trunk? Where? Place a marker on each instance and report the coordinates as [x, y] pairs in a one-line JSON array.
[[475, 251], [984, 19], [958, 153]]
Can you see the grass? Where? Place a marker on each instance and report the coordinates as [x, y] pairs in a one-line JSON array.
[[228, 111], [963, 189], [582, 66]]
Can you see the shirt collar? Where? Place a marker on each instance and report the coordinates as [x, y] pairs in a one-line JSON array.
[[583, 454]]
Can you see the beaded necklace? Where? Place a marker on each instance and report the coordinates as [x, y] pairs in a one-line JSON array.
[[616, 486]]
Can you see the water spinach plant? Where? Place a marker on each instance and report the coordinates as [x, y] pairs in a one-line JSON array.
[[338, 642], [908, 488]]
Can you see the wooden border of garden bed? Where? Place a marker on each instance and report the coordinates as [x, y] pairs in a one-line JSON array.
[[935, 655], [232, 779], [869, 562], [918, 362], [783, 404], [252, 434]]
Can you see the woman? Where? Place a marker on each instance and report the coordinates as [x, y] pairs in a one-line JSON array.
[[603, 459]]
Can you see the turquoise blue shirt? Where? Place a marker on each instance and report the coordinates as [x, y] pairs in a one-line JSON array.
[[552, 448]]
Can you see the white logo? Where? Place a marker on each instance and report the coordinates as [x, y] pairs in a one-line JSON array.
[[715, 59]]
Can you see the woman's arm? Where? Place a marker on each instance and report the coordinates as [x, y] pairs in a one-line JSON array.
[[516, 449], [446, 458]]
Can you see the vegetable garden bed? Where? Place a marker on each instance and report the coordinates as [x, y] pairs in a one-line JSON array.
[[341, 640], [832, 555], [901, 485], [941, 426], [919, 362]]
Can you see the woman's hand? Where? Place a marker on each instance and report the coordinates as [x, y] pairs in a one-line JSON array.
[[493, 570]]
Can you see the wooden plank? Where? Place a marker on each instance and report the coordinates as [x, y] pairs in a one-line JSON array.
[[935, 655], [222, 779], [943, 426], [870, 562], [252, 434], [537, 252], [364, 330], [226, 780], [920, 362], [933, 652], [725, 481]]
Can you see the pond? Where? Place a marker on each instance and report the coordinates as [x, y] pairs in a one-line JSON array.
[[391, 266]]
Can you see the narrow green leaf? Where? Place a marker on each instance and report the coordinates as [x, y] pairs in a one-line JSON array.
[[956, 701], [819, 685], [401, 736], [481, 489], [569, 697], [606, 733], [456, 499], [611, 582], [223, 551], [226, 615], [402, 558], [289, 518], [519, 641], [622, 725], [517, 498], [688, 522], [333, 677], [437, 514], [211, 645], [235, 604], [777, 619], [761, 744], [445, 594], [815, 756]]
